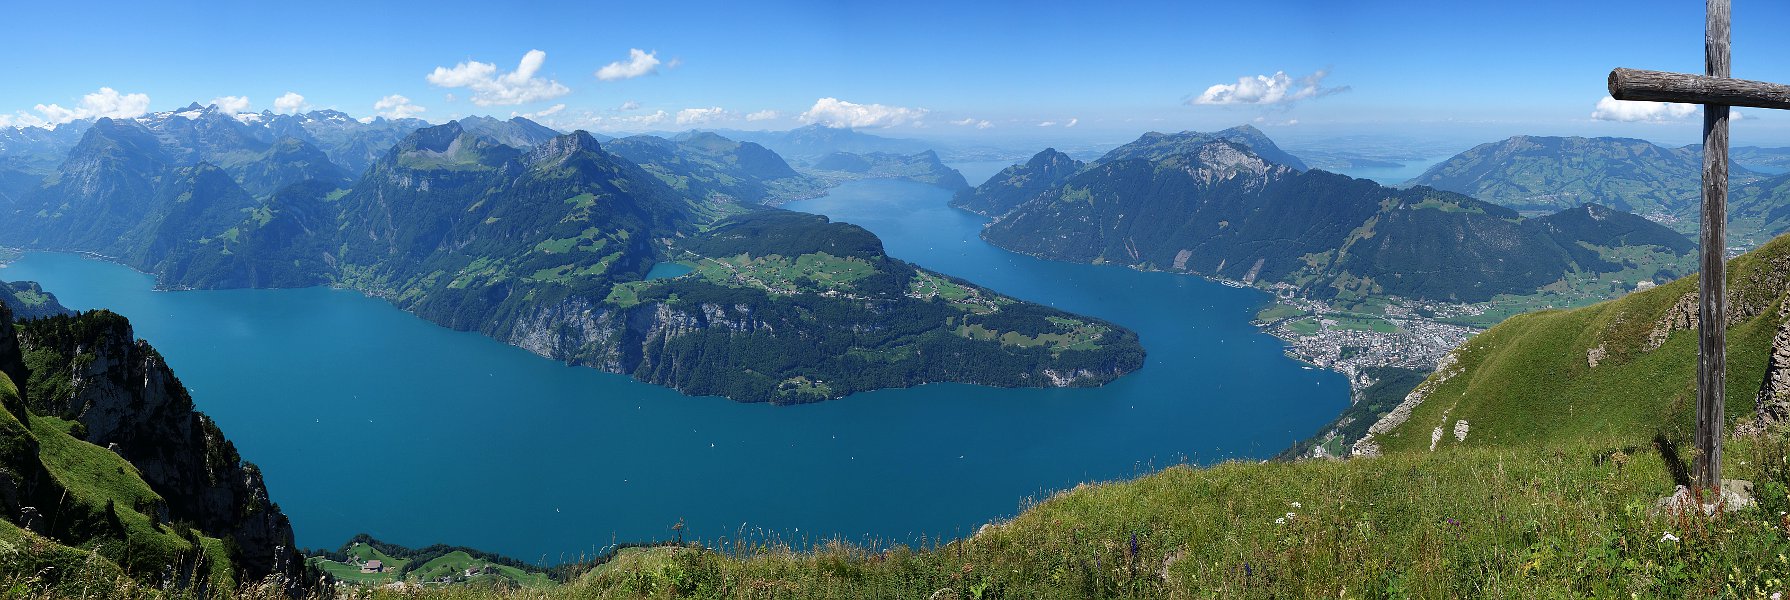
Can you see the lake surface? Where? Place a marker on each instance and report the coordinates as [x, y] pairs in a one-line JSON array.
[[1393, 176], [366, 418]]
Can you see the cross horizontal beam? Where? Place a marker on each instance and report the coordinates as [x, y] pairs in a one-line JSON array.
[[1660, 86]]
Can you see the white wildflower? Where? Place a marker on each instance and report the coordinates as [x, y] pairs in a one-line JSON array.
[[1280, 521], [1298, 505], [1668, 537]]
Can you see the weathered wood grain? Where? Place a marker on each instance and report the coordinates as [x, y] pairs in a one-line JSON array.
[[1712, 348], [1660, 86]]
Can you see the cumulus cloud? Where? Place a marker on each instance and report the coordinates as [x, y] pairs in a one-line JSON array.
[[1072, 122], [973, 122], [106, 102], [396, 107], [545, 112], [834, 112], [698, 116], [490, 88], [763, 115], [290, 103], [629, 105], [655, 118], [1611, 109], [1278, 88], [639, 62], [231, 104], [607, 121]]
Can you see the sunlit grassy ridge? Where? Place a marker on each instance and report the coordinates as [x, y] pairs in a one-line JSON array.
[[1574, 520], [1532, 380]]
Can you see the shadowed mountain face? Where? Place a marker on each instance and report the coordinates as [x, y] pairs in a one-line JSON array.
[[1018, 183], [1218, 208]]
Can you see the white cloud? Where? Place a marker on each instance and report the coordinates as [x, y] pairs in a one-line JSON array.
[[629, 105], [537, 115], [834, 112], [396, 107], [231, 104], [969, 122], [763, 115], [448, 97], [600, 121], [698, 116], [1278, 88], [489, 88], [643, 120], [106, 102], [1072, 122], [1611, 109], [290, 103], [1048, 124], [640, 62]]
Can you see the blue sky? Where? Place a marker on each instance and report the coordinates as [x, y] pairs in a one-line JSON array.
[[946, 70]]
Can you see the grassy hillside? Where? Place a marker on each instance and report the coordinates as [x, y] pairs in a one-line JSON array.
[[1532, 379], [97, 530], [1570, 521]]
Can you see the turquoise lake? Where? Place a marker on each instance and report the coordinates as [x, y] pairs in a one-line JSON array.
[[368, 419]]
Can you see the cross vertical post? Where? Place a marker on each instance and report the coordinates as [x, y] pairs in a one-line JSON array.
[[1717, 91], [1712, 351]]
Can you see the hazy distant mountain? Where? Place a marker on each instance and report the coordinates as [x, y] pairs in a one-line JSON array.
[[349, 143], [807, 144], [1018, 183], [1772, 160], [515, 133], [102, 189], [1218, 208], [289, 161], [922, 167], [1758, 210], [37, 150], [1155, 146], [1550, 173], [707, 165]]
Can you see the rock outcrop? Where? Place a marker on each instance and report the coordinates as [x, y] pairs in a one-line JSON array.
[[127, 398], [1447, 369]]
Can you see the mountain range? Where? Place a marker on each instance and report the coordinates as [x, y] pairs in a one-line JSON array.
[[545, 241], [1210, 204], [1532, 173]]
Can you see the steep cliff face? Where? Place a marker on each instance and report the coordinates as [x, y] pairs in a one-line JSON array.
[[91, 369], [12, 362]]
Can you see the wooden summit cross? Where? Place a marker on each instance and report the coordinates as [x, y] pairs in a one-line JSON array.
[[1716, 91]]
